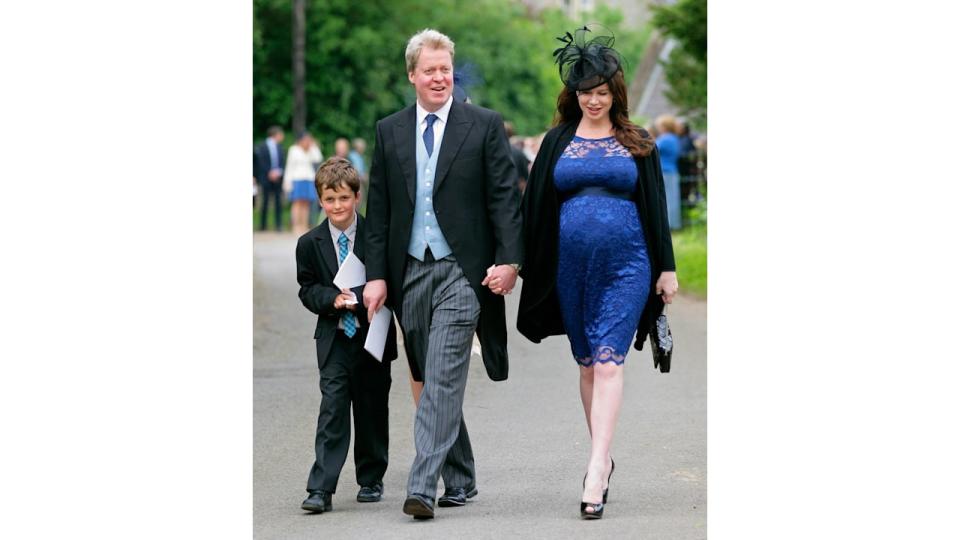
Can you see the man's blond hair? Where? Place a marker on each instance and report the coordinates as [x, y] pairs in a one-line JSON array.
[[427, 37]]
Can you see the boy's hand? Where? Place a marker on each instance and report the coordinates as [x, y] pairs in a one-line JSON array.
[[351, 299], [374, 296], [342, 301]]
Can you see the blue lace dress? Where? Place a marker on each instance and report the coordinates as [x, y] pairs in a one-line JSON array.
[[603, 272]]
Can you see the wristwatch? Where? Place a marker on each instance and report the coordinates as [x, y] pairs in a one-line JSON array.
[[515, 267]]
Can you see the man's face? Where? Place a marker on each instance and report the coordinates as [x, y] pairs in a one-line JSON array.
[[433, 78], [278, 137], [339, 205]]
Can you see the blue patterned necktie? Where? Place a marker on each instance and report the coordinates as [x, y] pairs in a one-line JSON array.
[[348, 319], [428, 133]]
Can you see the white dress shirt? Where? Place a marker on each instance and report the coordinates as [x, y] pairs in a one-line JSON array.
[[335, 236], [438, 125]]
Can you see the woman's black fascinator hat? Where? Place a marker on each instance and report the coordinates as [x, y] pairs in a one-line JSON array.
[[586, 64]]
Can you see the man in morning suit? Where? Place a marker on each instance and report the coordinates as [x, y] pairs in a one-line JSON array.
[[443, 247]]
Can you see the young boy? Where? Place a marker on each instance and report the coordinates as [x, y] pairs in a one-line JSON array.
[[348, 374]]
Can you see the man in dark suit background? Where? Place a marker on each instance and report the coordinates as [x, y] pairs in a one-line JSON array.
[[443, 247], [268, 162]]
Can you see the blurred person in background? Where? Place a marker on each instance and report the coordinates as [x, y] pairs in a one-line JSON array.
[[341, 148], [685, 137], [358, 159], [298, 181], [356, 156], [268, 160], [687, 161], [669, 145], [528, 149], [519, 159]]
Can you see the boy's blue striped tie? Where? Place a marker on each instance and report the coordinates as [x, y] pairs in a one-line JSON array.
[[348, 319]]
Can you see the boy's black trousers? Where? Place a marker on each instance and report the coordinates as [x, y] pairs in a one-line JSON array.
[[351, 376]]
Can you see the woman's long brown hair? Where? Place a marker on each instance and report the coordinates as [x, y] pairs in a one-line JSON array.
[[634, 138]]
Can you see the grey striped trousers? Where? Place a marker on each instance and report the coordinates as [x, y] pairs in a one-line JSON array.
[[439, 317]]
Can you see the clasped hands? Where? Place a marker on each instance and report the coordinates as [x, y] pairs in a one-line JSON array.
[[501, 279]]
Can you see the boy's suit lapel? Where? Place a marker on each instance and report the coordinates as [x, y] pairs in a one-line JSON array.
[[325, 245]]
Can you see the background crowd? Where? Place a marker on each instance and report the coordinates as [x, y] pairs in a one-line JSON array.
[[285, 199]]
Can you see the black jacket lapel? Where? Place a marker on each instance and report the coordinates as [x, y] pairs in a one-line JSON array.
[[458, 126], [358, 239], [325, 245], [403, 136]]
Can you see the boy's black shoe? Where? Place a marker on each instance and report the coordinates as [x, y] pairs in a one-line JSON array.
[[370, 493], [318, 502]]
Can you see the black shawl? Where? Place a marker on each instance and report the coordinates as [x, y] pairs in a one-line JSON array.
[[539, 313]]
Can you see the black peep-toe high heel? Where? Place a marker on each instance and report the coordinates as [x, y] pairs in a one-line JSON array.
[[612, 467]]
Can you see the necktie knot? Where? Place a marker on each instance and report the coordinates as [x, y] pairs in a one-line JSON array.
[[431, 118]]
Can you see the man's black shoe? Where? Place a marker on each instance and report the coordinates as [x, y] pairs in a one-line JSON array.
[[370, 493], [318, 502], [456, 496], [418, 507]]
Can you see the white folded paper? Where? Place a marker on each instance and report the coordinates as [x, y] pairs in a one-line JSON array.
[[377, 333], [352, 273]]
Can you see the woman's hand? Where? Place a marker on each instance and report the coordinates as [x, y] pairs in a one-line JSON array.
[[667, 286]]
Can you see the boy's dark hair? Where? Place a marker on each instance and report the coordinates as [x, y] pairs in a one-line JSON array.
[[336, 173]]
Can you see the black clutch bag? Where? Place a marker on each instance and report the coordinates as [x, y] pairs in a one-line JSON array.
[[661, 343]]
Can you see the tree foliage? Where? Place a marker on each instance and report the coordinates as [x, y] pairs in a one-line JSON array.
[[686, 68], [355, 71]]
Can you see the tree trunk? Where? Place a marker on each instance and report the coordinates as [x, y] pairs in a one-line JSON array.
[[299, 99]]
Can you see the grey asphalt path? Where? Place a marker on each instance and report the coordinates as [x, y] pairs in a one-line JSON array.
[[528, 434]]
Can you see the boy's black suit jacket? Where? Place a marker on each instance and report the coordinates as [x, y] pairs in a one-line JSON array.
[[316, 268]]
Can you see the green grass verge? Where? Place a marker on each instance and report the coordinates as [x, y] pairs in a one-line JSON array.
[[690, 253]]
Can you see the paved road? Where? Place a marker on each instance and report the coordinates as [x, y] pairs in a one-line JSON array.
[[528, 433]]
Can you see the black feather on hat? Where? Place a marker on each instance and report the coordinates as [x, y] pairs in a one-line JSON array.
[[586, 64]]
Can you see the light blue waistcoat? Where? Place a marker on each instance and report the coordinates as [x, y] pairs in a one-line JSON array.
[[426, 231]]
